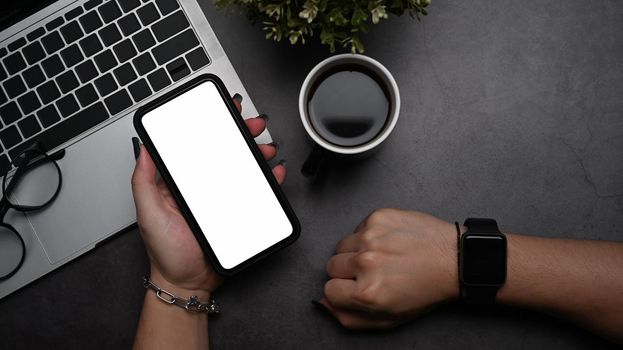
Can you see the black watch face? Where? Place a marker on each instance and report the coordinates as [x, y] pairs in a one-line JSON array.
[[483, 259]]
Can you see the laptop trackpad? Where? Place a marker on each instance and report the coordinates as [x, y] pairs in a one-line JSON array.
[[97, 167]]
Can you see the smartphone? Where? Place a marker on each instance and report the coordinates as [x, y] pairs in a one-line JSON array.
[[217, 175]]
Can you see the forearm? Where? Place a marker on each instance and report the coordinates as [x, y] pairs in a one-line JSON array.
[[579, 280], [165, 326]]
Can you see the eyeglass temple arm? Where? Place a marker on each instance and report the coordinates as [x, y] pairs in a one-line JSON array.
[[57, 155], [36, 146], [52, 157]]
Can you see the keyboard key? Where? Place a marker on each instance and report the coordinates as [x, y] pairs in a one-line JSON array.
[[52, 66], [74, 13], [144, 40], [67, 81], [2, 73], [48, 116], [55, 23], [129, 24], [90, 22], [72, 55], [68, 128], [14, 86], [48, 92], [110, 34], [178, 69], [52, 42], [105, 61], [105, 85], [118, 101], [129, 5], [148, 14], [29, 126], [124, 50], [159, 79], [144, 64], [125, 74], [33, 76], [10, 137], [17, 44], [10, 113], [35, 34], [109, 11], [167, 6], [86, 71], [3, 97], [33, 53], [5, 164], [170, 26], [86, 95], [3, 51], [71, 32], [14, 63], [91, 4], [67, 105], [197, 58], [139, 90], [175, 47], [91, 45], [29, 102]]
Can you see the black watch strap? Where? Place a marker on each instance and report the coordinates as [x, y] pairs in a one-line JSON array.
[[480, 294], [481, 225]]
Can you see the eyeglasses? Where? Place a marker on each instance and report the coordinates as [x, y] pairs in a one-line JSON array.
[[34, 185]]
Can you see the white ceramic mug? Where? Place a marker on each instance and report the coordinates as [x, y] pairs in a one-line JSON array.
[[316, 158]]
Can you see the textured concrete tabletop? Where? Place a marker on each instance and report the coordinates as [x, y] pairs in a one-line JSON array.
[[510, 109]]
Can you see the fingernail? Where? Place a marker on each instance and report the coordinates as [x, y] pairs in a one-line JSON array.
[[320, 306], [136, 145], [275, 144], [237, 97], [282, 162], [264, 116]]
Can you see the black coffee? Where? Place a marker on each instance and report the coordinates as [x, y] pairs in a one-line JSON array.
[[349, 106]]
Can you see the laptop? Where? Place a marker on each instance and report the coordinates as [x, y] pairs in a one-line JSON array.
[[71, 75]]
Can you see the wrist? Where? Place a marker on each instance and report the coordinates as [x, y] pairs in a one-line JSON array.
[[184, 290]]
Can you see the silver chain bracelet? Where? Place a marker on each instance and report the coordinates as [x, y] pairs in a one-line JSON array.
[[193, 304]]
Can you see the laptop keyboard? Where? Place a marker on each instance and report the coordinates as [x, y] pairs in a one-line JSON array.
[[81, 68]]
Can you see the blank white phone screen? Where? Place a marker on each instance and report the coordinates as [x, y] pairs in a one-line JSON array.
[[216, 173]]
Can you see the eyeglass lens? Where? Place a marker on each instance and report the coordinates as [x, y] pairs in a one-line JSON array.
[[35, 187], [32, 186], [10, 251]]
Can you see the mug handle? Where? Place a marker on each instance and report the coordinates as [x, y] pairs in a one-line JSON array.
[[314, 163]]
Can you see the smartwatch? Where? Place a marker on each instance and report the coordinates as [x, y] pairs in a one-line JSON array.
[[482, 261]]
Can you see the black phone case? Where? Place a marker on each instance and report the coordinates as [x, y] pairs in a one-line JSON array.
[[185, 210]]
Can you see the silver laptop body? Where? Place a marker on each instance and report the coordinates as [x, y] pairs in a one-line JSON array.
[[95, 201]]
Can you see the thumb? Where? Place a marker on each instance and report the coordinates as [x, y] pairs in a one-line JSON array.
[[144, 185]]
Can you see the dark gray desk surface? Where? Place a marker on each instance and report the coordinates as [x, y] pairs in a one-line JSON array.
[[510, 109]]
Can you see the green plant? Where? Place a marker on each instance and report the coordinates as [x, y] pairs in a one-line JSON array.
[[338, 22]]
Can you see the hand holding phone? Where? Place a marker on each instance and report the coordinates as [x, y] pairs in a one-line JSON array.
[[174, 251], [174, 254]]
